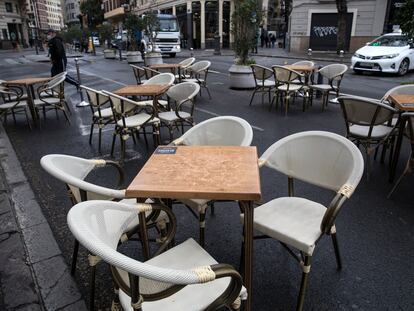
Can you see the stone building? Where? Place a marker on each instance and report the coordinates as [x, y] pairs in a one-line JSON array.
[[13, 27], [313, 23], [54, 14], [71, 11]]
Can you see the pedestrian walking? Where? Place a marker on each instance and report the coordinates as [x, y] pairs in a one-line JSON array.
[[273, 40], [58, 56], [267, 40], [262, 38], [254, 44]]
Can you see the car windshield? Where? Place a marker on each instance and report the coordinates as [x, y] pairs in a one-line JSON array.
[[390, 41], [168, 24]]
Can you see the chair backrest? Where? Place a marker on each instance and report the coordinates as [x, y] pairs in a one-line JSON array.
[[365, 112], [261, 73], [304, 63], [183, 92], [56, 84], [139, 73], [285, 75], [333, 71], [73, 170], [400, 89], [162, 78], [324, 159], [149, 73], [99, 225], [121, 106], [219, 131], [187, 62], [95, 97], [200, 66]]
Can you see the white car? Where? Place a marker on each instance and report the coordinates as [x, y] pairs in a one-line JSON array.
[[392, 53]]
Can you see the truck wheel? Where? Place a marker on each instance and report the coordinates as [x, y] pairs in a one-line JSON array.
[[172, 55]]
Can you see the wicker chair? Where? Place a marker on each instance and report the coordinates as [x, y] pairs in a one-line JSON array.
[[162, 78], [185, 277], [263, 82], [101, 111], [139, 73], [12, 102], [73, 171], [334, 74], [182, 95], [323, 159], [184, 65], [198, 74], [367, 124], [219, 131]]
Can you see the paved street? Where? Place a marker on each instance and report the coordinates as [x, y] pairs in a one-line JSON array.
[[376, 235]]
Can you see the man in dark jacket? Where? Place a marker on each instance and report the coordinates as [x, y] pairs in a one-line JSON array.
[[58, 56]]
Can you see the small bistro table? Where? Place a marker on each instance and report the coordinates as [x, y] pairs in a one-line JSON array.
[[28, 84], [404, 103], [305, 69], [175, 68], [154, 90], [205, 172]]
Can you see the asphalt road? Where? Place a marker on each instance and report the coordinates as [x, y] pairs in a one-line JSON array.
[[376, 235]]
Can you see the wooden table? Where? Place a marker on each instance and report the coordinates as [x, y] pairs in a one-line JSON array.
[[154, 90], [28, 84], [404, 103], [205, 172], [305, 69], [175, 68]]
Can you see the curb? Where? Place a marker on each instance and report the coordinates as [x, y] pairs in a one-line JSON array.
[[53, 282]]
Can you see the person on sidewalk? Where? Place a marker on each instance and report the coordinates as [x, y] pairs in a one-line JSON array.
[[273, 40], [58, 56]]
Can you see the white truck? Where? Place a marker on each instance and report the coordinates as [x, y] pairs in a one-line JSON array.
[[167, 40]]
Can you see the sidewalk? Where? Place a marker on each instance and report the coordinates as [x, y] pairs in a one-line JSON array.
[[33, 273]]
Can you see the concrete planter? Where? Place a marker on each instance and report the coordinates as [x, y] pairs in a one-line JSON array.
[[241, 77], [153, 58], [134, 57], [109, 54]]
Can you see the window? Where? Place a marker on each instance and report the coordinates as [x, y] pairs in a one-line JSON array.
[[9, 7]]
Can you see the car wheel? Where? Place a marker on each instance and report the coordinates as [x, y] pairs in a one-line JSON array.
[[358, 72], [403, 67], [172, 55]]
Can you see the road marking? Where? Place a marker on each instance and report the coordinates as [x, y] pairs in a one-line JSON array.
[[11, 61], [100, 77]]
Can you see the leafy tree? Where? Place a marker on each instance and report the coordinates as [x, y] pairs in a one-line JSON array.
[[405, 18], [94, 13], [287, 10], [133, 24], [72, 33], [342, 7], [106, 33], [245, 21]]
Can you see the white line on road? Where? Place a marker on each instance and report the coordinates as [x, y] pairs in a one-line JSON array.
[[11, 61]]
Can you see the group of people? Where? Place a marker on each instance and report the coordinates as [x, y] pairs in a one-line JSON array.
[[267, 40]]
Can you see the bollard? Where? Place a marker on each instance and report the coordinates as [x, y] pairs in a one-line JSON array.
[[319, 81], [83, 103], [309, 53], [217, 44], [341, 56], [191, 52], [120, 52]]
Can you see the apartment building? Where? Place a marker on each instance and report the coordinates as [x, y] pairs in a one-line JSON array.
[[54, 14], [71, 11]]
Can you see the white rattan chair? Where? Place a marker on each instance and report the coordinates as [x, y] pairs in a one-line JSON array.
[[182, 95], [198, 74], [184, 65], [367, 124], [101, 111], [334, 74], [162, 78], [73, 171], [323, 159], [219, 131], [185, 277], [139, 73], [130, 118]]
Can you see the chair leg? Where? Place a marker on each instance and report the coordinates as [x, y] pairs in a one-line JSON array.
[[304, 283], [406, 170], [113, 144], [74, 257], [91, 133], [202, 223], [212, 209], [92, 288], [122, 149], [251, 99], [100, 139], [336, 249], [208, 91]]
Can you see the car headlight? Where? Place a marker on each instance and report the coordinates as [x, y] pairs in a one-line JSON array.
[[359, 56], [386, 56]]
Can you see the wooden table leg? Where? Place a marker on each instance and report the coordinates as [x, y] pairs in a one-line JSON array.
[[248, 210], [398, 144], [30, 102]]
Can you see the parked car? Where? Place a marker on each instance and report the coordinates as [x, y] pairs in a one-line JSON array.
[[392, 53]]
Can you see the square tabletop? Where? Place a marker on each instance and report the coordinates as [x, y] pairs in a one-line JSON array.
[[28, 81], [142, 90], [403, 102], [165, 66], [301, 68], [199, 172]]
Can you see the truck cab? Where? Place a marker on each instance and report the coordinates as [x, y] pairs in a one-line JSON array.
[[167, 40]]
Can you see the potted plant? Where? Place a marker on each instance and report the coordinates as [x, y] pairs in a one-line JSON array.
[[106, 32], [245, 22], [133, 24], [151, 27]]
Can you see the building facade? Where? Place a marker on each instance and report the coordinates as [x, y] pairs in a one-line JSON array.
[[71, 12], [54, 14], [313, 23], [13, 26]]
